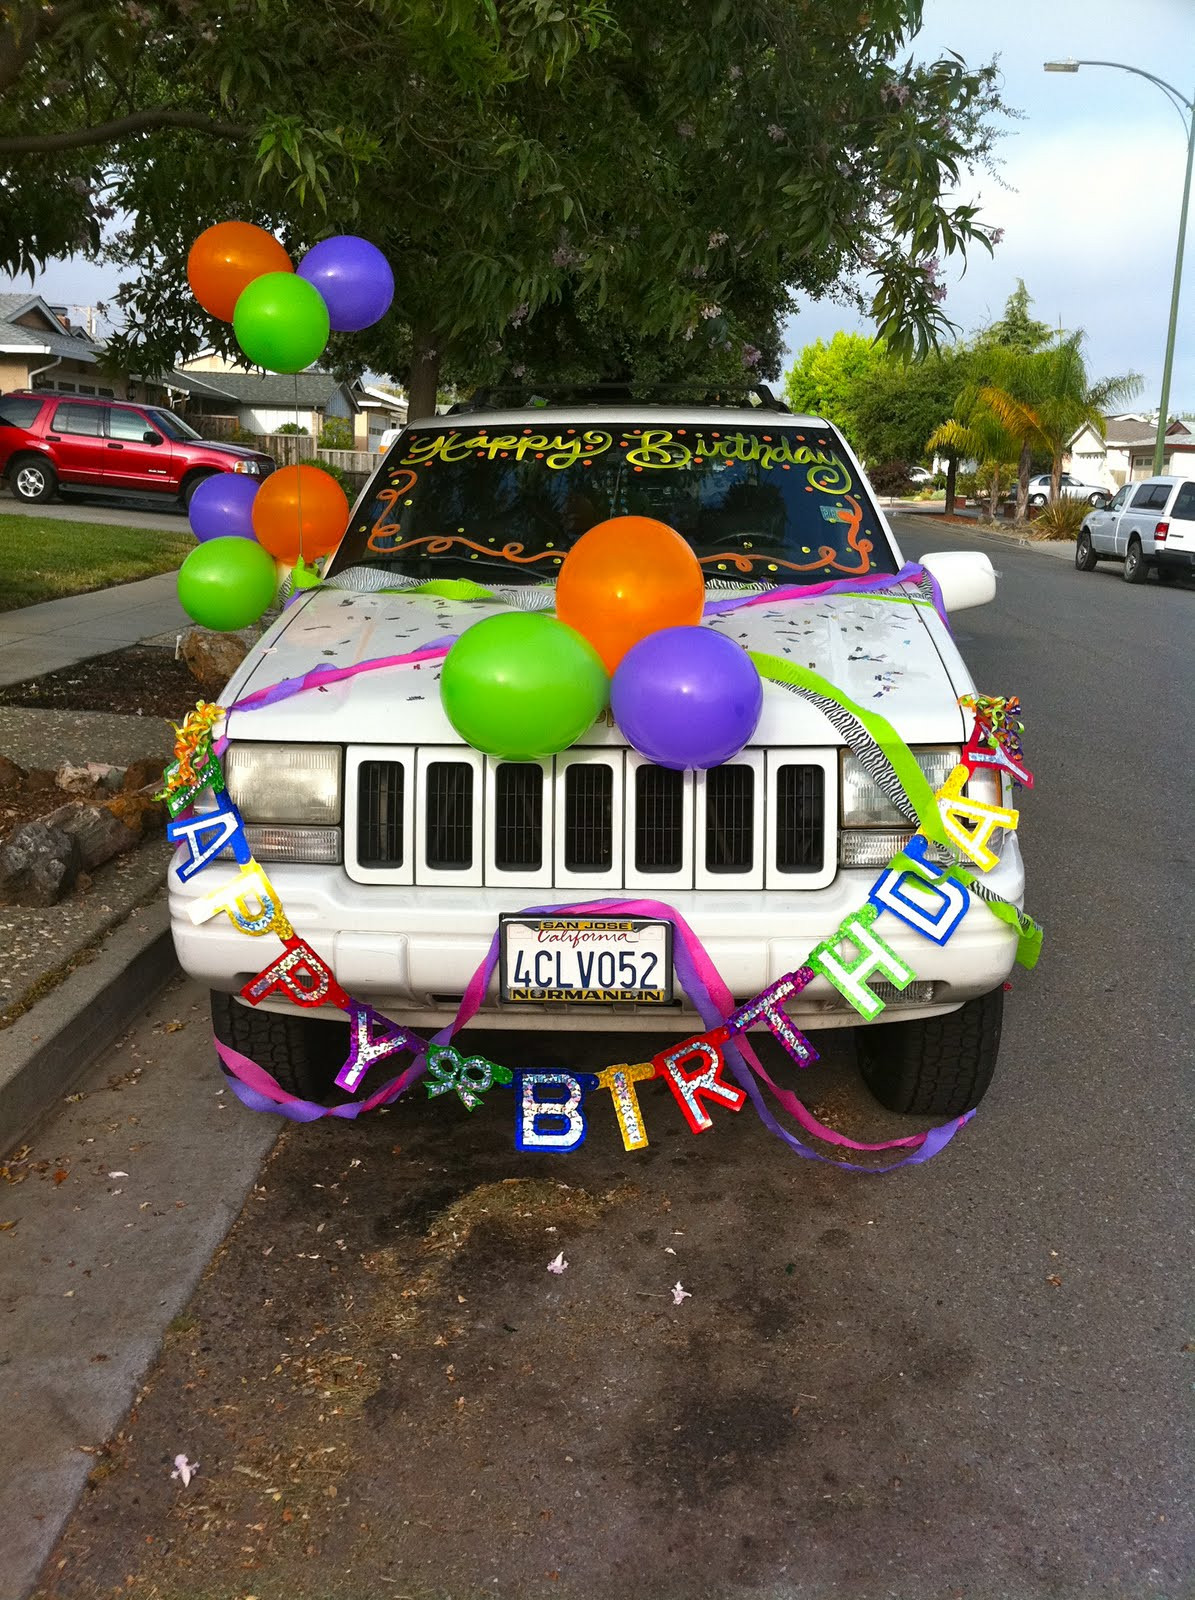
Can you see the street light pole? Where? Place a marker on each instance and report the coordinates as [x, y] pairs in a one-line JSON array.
[[1178, 100]]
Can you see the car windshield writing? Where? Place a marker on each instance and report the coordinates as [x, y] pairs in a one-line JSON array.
[[504, 503], [173, 427]]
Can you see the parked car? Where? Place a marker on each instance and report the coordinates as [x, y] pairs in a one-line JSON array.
[[405, 848], [50, 440], [1148, 526], [920, 476], [1068, 488]]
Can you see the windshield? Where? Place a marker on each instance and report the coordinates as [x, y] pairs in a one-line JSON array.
[[173, 426], [503, 504]]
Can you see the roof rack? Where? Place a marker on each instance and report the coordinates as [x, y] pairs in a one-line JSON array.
[[517, 397]]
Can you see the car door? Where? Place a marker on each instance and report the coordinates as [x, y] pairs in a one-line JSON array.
[[138, 455], [1141, 515], [1101, 525], [77, 443]]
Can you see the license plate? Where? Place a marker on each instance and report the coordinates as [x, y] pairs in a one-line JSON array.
[[585, 960]]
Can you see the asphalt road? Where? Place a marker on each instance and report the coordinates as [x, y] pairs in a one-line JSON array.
[[964, 1380]]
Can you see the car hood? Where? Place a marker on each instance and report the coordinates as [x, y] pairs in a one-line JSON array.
[[239, 452], [892, 655]]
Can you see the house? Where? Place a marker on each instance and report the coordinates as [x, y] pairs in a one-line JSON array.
[[1125, 453], [210, 387], [1178, 458], [39, 349]]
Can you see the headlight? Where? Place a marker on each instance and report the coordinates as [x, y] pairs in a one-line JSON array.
[[253, 468], [286, 783], [863, 804]]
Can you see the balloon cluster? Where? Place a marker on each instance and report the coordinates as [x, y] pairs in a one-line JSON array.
[[629, 601], [282, 317]]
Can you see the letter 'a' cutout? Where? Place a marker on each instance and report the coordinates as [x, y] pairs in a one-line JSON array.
[[875, 956], [939, 904], [207, 834], [372, 1037], [621, 1081], [548, 1114], [970, 823], [302, 975], [707, 1080]]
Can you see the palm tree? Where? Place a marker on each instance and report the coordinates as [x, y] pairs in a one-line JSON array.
[[1043, 398], [975, 432]]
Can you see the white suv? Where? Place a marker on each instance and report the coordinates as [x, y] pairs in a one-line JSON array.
[[397, 850]]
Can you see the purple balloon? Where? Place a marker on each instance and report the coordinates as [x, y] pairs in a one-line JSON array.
[[687, 697], [354, 278], [222, 507]]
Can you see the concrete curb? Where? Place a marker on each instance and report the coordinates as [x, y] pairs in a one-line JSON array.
[[47, 1049]]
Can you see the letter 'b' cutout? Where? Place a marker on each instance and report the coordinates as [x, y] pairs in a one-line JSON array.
[[548, 1113]]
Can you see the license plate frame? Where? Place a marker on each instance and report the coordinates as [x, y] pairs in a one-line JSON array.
[[621, 934]]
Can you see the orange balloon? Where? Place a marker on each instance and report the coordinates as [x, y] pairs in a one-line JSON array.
[[228, 256], [299, 511], [627, 578]]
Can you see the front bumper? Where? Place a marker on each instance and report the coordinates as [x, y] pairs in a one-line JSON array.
[[410, 951]]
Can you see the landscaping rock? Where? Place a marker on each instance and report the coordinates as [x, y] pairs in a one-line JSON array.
[[89, 777], [11, 775], [212, 657], [38, 865], [143, 775], [139, 810]]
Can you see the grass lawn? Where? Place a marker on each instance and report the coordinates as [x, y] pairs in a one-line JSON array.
[[43, 558]]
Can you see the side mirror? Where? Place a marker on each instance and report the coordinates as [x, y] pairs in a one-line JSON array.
[[966, 577], [150, 437]]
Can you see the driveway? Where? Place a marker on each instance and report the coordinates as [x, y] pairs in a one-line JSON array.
[[962, 1380]]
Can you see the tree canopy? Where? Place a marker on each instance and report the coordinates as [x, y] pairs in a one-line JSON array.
[[636, 191]]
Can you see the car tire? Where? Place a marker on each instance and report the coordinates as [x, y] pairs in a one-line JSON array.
[[1135, 568], [1097, 500], [1037, 501], [32, 479], [303, 1054], [189, 486], [935, 1067], [1086, 559]]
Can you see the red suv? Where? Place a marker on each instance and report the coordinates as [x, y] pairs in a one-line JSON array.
[[50, 439]]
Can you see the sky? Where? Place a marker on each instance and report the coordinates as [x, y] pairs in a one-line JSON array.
[[1095, 173], [1091, 184]]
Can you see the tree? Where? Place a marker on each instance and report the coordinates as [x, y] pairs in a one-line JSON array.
[[982, 438], [903, 402], [1043, 398], [1016, 329], [826, 380], [535, 172]]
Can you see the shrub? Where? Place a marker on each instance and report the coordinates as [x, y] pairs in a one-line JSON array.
[[1062, 519], [291, 427], [967, 483], [890, 478], [336, 434]]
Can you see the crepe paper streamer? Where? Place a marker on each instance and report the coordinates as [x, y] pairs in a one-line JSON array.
[[548, 1114], [970, 823], [232, 899], [470, 1077], [621, 1081], [911, 572], [875, 956], [769, 1007], [321, 677], [707, 1080], [978, 753], [191, 737], [224, 827], [302, 975], [938, 922], [372, 1037]]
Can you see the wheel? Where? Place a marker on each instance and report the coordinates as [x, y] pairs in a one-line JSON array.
[[1135, 569], [32, 479], [1037, 500], [303, 1054], [1097, 500], [190, 485], [1086, 559], [937, 1067]]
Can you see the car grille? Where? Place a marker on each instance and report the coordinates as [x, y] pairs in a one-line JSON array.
[[604, 821]]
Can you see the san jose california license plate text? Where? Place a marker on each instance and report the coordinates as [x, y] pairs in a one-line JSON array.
[[585, 960]]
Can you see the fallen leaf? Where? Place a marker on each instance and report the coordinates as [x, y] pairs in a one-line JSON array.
[[679, 1293], [668, 1250], [7, 1227], [1055, 1280], [558, 1264], [62, 1175], [118, 1174], [184, 1469], [174, 1027]]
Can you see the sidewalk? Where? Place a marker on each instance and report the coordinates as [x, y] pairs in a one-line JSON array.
[[134, 512], [41, 639]]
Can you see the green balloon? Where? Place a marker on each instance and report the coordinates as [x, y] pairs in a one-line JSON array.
[[281, 322], [522, 685], [227, 583]]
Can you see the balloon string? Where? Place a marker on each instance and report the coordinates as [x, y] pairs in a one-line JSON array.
[[298, 472]]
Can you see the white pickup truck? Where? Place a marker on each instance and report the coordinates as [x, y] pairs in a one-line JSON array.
[[397, 849]]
